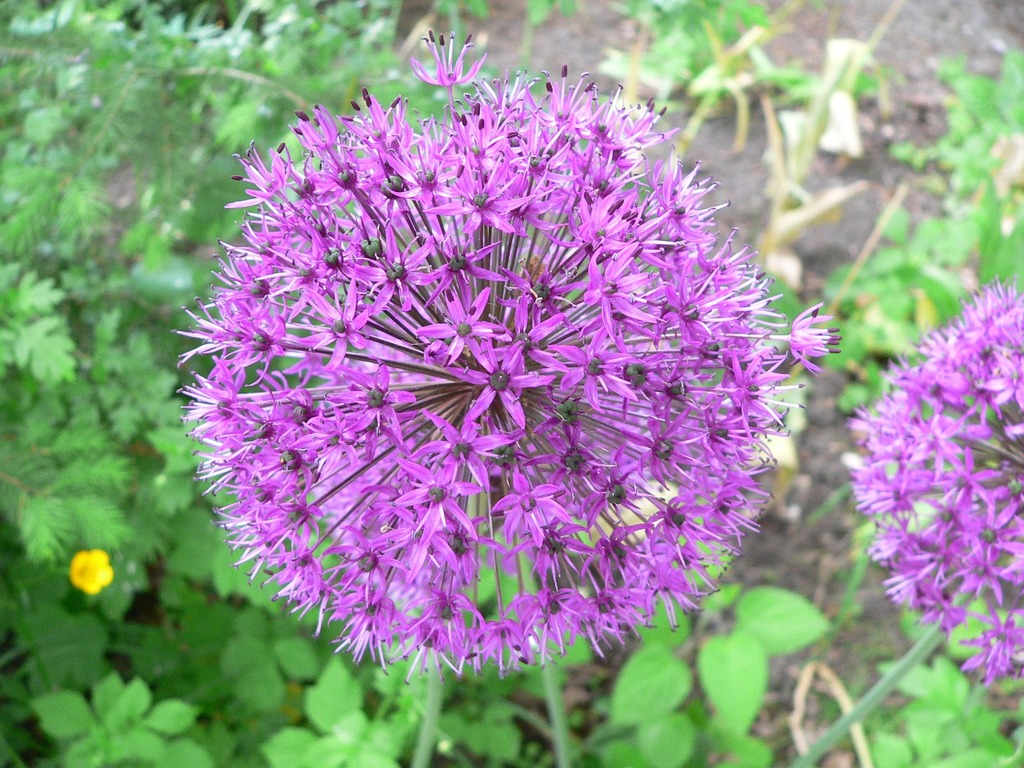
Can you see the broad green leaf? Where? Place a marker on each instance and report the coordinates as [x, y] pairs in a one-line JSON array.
[[733, 670], [747, 751], [287, 747], [972, 758], [184, 753], [623, 754], [781, 620], [652, 683], [63, 714], [171, 717], [335, 695], [296, 657], [661, 631], [72, 656], [668, 741], [328, 752]]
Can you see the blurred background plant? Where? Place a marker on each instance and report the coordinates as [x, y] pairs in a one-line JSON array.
[[117, 125]]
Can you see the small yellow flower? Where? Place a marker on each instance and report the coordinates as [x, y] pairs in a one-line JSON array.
[[91, 571]]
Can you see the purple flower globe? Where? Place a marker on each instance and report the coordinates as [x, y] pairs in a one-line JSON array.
[[942, 480], [485, 384]]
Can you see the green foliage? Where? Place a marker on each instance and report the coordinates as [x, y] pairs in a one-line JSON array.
[[121, 727], [945, 723], [684, 35], [918, 280]]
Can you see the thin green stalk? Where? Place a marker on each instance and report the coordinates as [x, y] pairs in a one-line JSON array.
[[428, 728], [927, 643], [556, 715]]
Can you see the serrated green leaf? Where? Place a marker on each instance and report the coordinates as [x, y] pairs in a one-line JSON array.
[[171, 717], [335, 695], [130, 706], [34, 295], [137, 744], [63, 714], [781, 620], [891, 751], [44, 348], [652, 683], [106, 692], [733, 671]]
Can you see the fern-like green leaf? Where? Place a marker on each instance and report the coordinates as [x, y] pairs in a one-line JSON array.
[[46, 524]]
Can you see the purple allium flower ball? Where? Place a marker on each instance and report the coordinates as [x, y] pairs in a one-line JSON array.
[[485, 384], [942, 479]]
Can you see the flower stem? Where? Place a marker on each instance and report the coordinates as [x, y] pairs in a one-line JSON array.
[[556, 714], [428, 728], [927, 643]]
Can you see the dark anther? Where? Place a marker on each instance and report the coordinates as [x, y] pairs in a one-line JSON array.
[[616, 494], [291, 461], [260, 342], [637, 374], [569, 412], [499, 381], [574, 461], [504, 455], [372, 248]]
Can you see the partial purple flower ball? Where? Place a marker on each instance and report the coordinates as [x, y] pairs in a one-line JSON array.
[[485, 384], [942, 480]]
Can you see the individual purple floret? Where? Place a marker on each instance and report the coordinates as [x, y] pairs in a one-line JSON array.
[[942, 480], [486, 384]]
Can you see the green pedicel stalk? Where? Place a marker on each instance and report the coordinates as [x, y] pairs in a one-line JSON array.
[[428, 728], [927, 643], [556, 714]]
